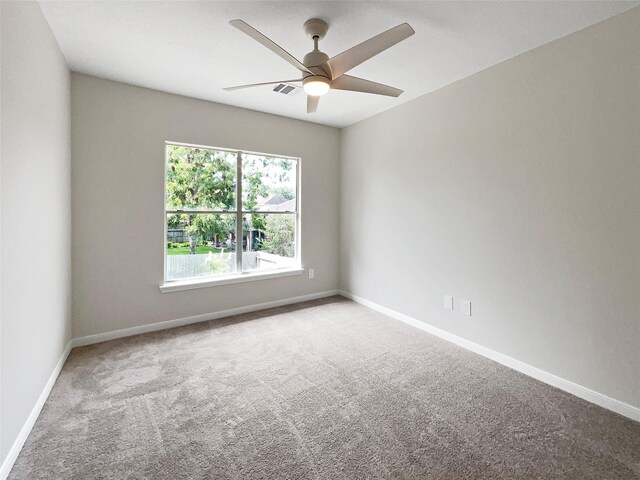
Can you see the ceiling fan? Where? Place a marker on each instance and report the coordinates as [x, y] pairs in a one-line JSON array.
[[321, 73]]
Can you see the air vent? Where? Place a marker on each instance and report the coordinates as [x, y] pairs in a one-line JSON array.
[[285, 89]]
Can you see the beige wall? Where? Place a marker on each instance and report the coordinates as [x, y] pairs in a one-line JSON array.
[[35, 209], [519, 189], [118, 169]]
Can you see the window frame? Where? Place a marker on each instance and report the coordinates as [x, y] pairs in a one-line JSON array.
[[239, 275]]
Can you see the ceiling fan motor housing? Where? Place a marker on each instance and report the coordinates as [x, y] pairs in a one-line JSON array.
[[316, 61]]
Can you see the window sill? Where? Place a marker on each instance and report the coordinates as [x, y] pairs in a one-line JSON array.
[[191, 284]]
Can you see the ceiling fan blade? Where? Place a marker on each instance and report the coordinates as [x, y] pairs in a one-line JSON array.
[[355, 84], [270, 44], [312, 103], [238, 87], [362, 52]]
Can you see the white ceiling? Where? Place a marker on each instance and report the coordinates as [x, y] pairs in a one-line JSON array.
[[189, 48]]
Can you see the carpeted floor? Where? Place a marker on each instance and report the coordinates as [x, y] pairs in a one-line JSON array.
[[322, 390]]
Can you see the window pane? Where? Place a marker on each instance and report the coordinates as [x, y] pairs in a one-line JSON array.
[[268, 241], [200, 179], [200, 244], [268, 183]]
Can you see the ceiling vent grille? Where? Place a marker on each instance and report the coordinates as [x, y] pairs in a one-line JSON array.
[[285, 89]]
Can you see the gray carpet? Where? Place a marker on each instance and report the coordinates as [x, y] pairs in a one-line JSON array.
[[322, 390]]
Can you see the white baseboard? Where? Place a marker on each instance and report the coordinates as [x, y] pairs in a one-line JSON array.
[[154, 327], [592, 396], [7, 465]]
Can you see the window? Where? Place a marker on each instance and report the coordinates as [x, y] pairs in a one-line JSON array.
[[230, 215]]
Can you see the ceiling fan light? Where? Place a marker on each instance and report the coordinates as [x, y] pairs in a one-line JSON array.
[[316, 86]]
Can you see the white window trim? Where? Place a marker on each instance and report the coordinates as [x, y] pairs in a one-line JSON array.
[[236, 277], [193, 283]]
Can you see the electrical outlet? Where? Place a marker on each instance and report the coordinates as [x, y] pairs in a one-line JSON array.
[[448, 302], [312, 273], [465, 307]]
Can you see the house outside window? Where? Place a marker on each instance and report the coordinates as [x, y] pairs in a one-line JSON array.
[[230, 214]]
